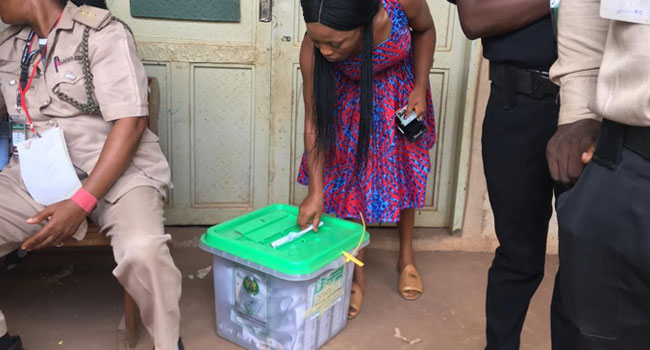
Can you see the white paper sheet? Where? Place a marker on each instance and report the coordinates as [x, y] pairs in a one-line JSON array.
[[634, 11], [46, 168]]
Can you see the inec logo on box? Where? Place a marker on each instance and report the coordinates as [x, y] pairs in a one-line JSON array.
[[251, 286], [251, 300]]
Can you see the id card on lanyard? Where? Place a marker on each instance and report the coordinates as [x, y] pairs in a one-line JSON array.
[[21, 121], [18, 135], [45, 165], [26, 80]]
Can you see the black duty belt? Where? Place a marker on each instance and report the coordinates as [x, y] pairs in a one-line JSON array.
[[511, 81], [614, 136]]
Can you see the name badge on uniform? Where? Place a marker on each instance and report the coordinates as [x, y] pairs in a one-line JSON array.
[[18, 135], [633, 11], [46, 168]]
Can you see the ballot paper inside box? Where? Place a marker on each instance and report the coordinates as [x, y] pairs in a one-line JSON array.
[[292, 297]]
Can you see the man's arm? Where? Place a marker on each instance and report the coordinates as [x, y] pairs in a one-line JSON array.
[[486, 18], [582, 34]]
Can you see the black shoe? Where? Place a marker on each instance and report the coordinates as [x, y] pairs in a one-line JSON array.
[[18, 345], [13, 343], [13, 259], [180, 344]]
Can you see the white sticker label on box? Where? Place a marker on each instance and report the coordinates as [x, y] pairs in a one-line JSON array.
[[634, 11], [251, 300], [325, 292]]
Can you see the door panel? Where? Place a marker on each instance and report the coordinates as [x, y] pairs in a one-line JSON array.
[[215, 110]]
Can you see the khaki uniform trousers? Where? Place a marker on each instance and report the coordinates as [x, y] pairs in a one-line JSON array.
[[134, 225]]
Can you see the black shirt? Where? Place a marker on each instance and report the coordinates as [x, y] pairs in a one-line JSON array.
[[532, 47]]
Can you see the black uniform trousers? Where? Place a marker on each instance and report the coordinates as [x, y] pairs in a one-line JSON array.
[[521, 191], [605, 245]]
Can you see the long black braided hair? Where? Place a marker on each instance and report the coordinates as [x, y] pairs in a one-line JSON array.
[[342, 15]]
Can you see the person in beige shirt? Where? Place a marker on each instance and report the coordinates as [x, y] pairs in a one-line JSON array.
[[603, 147], [91, 84]]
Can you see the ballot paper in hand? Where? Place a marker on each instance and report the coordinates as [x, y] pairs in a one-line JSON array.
[[46, 168]]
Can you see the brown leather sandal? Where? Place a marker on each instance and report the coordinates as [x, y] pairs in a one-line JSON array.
[[410, 281], [356, 301]]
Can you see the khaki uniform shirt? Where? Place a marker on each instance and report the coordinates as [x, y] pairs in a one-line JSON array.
[[120, 90], [603, 67]]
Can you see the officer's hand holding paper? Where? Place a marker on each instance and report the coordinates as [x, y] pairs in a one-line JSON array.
[[51, 179]]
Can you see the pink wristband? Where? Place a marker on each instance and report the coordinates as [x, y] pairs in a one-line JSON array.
[[84, 199]]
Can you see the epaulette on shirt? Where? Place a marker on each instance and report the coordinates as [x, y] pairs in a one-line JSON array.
[[92, 17]]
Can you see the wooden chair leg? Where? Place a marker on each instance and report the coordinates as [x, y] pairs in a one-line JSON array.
[[132, 320]]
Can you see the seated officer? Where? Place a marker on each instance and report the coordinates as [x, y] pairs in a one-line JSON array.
[[80, 73]]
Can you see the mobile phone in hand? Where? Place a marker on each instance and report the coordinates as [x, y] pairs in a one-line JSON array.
[[410, 126]]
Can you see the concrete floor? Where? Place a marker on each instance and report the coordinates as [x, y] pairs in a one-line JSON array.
[[68, 300]]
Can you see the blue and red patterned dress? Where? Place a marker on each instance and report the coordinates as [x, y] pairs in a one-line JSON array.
[[395, 175]]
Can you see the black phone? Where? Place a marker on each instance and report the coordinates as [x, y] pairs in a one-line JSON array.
[[410, 126]]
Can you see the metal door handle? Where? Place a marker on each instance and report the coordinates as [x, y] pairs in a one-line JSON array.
[[266, 10]]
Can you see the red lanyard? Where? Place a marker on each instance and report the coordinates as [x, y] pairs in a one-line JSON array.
[[23, 99], [23, 90]]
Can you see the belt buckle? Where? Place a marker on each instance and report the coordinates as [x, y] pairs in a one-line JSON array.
[[539, 79]]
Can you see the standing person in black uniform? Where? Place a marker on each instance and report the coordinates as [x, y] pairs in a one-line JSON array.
[[521, 117]]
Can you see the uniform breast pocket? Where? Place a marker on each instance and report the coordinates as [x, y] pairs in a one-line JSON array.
[[68, 85]]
